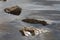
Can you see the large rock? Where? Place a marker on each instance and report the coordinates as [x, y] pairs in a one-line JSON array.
[[31, 31], [15, 10]]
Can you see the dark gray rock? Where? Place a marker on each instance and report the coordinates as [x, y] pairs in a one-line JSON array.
[[34, 21]]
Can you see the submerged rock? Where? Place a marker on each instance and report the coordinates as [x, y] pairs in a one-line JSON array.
[[31, 31], [15, 10], [34, 21]]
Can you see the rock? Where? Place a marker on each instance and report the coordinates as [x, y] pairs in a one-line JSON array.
[[31, 31], [26, 31], [34, 21], [15, 10]]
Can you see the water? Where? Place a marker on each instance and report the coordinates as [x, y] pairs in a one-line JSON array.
[[48, 10]]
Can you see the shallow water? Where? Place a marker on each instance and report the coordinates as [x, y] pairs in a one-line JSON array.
[[40, 9]]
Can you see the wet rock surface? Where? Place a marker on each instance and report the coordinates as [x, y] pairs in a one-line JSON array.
[[15, 10], [34, 21]]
